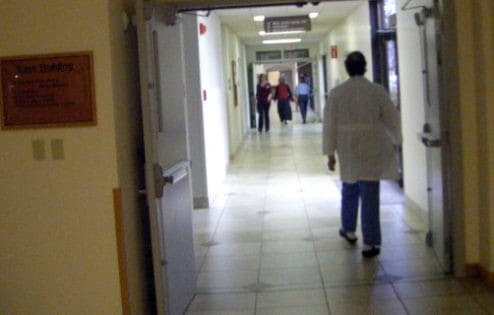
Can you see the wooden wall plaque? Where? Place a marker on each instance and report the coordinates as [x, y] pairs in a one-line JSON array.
[[47, 90]]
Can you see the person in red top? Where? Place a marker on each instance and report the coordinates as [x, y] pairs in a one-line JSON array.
[[263, 96], [284, 95]]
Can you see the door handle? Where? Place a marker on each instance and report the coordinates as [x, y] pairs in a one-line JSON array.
[[429, 141], [170, 176], [176, 175]]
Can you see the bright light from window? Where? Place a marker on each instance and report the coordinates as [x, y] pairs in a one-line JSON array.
[[282, 41], [259, 18], [263, 33], [313, 15]]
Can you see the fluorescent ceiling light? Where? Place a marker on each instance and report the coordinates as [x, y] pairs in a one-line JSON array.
[[313, 15], [259, 18], [282, 41], [263, 33]]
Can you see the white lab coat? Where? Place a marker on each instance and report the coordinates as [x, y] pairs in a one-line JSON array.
[[361, 124]]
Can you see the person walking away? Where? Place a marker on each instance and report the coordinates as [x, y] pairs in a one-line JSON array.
[[263, 97], [302, 93], [283, 94], [362, 126]]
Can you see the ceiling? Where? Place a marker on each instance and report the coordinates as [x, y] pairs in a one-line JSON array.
[[241, 22]]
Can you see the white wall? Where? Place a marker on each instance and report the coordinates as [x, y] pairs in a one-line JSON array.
[[195, 114], [215, 106], [233, 52], [353, 33], [412, 105]]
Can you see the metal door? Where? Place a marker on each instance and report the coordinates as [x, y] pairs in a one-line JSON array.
[[162, 74], [438, 236]]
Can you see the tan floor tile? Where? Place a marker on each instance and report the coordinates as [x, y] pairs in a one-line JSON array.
[[389, 307], [291, 298], [373, 293], [429, 288], [444, 305], [294, 310], [223, 302]]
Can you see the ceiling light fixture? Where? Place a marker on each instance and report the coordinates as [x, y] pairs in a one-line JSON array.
[[313, 15], [282, 41], [259, 18], [263, 33]]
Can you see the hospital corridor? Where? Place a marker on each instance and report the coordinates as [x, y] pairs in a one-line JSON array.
[[269, 243]]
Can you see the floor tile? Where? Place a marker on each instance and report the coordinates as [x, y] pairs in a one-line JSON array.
[[444, 305], [291, 298], [290, 260], [389, 307], [429, 288], [286, 278], [221, 281], [287, 247], [223, 302], [294, 310], [235, 249], [221, 263], [361, 293], [351, 273], [269, 243]]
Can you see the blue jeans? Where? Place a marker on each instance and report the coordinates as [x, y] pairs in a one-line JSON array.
[[263, 110], [368, 193], [303, 101]]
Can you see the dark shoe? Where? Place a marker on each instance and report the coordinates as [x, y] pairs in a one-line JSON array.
[[372, 252], [349, 239]]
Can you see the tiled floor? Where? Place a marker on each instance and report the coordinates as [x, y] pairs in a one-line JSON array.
[[269, 243]]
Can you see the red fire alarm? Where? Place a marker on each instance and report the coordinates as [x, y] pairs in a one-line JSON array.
[[202, 28]]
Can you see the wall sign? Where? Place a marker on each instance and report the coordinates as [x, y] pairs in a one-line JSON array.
[[47, 90], [268, 55], [334, 52], [287, 23], [296, 53]]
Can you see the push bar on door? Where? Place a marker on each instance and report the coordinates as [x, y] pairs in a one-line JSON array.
[[177, 172]]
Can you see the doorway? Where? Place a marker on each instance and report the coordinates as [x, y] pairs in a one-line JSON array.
[[211, 243]]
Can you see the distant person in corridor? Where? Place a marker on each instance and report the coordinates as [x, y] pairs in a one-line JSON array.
[[361, 125], [284, 95], [302, 93], [263, 96]]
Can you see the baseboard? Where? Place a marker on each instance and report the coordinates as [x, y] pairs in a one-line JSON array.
[[122, 262], [412, 205], [201, 202], [472, 270], [477, 271], [487, 276]]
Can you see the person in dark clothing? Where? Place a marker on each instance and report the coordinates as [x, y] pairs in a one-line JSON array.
[[283, 95], [263, 96]]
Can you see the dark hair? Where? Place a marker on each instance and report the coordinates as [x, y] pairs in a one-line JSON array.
[[355, 63]]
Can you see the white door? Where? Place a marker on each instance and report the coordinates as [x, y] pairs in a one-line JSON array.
[[168, 185], [439, 234]]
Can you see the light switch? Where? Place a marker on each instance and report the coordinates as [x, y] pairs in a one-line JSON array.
[[57, 150], [39, 152]]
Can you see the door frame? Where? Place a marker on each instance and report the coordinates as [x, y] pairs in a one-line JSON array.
[[448, 90]]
